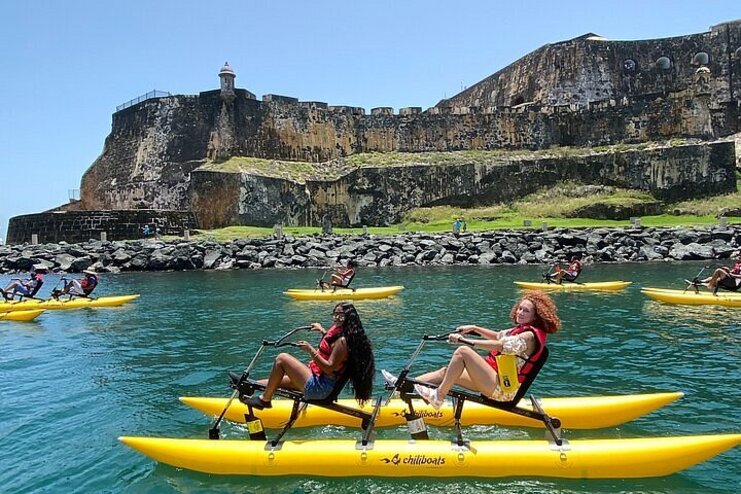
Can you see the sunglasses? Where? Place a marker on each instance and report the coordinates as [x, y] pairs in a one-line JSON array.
[[338, 315]]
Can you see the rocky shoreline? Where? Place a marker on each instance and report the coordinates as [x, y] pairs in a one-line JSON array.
[[594, 245]]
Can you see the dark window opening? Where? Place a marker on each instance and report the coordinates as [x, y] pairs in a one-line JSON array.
[[663, 63], [701, 58]]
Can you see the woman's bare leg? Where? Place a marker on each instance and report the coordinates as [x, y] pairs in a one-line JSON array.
[[480, 375], [718, 275], [286, 365], [434, 377]]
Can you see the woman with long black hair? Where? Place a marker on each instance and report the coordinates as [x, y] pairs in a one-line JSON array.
[[344, 351]]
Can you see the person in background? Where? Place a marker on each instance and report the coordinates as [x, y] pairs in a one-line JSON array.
[[725, 277], [457, 226], [326, 225], [535, 317], [82, 287], [344, 351], [146, 231], [571, 273], [26, 288], [342, 277]]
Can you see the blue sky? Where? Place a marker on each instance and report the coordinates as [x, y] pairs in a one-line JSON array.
[[64, 66]]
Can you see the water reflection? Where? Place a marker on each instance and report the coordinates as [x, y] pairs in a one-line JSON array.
[[717, 322]]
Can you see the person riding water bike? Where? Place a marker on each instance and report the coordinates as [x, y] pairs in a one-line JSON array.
[[571, 273], [535, 318], [342, 277], [82, 287], [343, 352], [26, 288], [725, 277]]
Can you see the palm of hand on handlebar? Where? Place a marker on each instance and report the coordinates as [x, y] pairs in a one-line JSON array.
[[315, 326]]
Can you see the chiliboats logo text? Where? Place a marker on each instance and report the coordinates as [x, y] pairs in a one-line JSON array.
[[420, 459], [437, 414]]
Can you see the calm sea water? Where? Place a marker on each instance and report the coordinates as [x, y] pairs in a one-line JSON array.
[[72, 382]]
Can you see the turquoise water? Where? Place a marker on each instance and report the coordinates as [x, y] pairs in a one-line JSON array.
[[72, 382]]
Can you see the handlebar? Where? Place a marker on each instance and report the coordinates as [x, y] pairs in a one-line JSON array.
[[288, 335], [285, 343], [445, 336]]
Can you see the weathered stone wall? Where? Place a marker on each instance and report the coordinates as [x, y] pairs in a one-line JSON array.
[[580, 93], [80, 226], [378, 196], [152, 148], [155, 146], [589, 68], [279, 130]]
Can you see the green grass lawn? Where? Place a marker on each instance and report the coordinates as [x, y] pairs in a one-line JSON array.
[[235, 232]]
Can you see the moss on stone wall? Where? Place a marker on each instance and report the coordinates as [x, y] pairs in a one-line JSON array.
[[302, 171]]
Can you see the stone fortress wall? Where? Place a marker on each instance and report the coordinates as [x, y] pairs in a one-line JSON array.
[[155, 146], [591, 68], [584, 92], [81, 226], [377, 196]]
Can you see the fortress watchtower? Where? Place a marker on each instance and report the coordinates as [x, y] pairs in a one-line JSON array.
[[227, 76]]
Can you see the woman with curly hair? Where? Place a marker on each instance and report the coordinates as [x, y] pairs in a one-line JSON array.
[[535, 318], [344, 351]]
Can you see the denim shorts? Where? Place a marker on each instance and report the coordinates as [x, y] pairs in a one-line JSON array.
[[318, 387]]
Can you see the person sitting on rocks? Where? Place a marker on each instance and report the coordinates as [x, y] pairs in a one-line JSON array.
[[26, 288], [571, 273], [725, 277], [82, 287], [342, 277]]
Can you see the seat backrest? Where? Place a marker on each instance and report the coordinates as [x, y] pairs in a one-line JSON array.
[[530, 377], [36, 288], [350, 279], [338, 387]]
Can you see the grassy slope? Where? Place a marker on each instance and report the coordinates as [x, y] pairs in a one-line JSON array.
[[301, 171], [546, 206], [549, 206]]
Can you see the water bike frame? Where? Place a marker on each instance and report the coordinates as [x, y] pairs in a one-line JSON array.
[[248, 387], [244, 386]]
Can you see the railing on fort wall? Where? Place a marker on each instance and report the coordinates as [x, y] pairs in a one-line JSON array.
[[150, 95]]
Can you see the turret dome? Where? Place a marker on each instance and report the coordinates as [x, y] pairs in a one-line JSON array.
[[226, 69]]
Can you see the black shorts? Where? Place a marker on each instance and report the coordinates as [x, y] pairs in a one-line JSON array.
[[729, 283], [568, 277]]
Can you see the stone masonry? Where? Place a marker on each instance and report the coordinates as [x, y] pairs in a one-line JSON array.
[[583, 93], [81, 226]]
